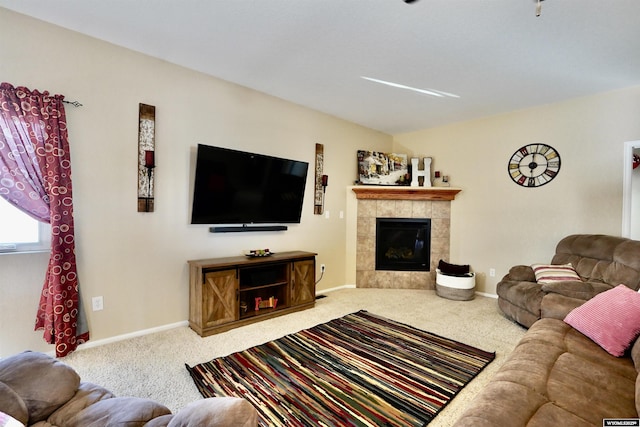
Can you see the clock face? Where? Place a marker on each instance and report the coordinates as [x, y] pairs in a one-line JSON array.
[[534, 165]]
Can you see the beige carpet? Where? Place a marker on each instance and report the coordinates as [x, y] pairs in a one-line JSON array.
[[153, 365]]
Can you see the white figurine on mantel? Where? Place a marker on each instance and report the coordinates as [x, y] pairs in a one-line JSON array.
[[426, 173]]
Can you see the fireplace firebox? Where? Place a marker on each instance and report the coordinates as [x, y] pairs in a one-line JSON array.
[[403, 244]]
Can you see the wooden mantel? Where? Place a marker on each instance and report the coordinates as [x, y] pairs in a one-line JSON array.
[[404, 193]]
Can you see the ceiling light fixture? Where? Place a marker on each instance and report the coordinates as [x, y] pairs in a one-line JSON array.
[[431, 92], [538, 5]]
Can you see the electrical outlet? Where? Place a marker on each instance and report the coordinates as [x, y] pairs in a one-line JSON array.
[[322, 267], [492, 272], [97, 303]]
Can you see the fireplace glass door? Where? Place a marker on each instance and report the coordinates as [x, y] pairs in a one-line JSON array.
[[403, 244]]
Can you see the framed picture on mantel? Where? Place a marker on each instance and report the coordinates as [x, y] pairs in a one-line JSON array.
[[377, 168]]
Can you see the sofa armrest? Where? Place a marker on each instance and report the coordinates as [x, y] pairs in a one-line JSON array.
[[26, 372], [118, 411], [216, 412], [520, 273], [12, 404]]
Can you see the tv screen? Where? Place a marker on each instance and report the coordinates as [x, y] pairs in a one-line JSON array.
[[236, 187]]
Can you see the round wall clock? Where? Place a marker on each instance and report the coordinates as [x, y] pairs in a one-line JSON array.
[[534, 165]]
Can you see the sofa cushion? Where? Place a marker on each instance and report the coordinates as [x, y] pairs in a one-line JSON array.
[[550, 273], [557, 306], [638, 394], [87, 395], [601, 258], [26, 374], [576, 289], [118, 411], [611, 319], [216, 412], [635, 355]]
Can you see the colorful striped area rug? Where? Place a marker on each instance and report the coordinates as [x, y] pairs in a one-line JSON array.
[[358, 370]]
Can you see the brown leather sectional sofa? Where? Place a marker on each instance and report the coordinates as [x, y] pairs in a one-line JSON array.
[[556, 376]]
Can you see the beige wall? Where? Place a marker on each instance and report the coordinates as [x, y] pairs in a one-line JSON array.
[[496, 223], [137, 261]]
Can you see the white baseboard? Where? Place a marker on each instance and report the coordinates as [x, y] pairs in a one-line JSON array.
[[337, 288], [484, 294], [97, 343], [135, 334]]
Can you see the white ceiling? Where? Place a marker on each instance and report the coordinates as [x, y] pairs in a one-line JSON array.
[[495, 54]]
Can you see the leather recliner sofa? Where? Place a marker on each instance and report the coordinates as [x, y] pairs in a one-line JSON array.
[[38, 390], [601, 262]]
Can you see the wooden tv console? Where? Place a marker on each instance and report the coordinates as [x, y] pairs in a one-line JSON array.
[[225, 293]]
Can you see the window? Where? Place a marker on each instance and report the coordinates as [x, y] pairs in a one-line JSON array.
[[21, 233]]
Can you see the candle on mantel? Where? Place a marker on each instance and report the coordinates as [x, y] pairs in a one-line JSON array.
[[437, 174], [149, 158]]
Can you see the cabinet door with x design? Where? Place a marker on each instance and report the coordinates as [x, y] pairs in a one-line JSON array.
[[303, 287], [219, 297]]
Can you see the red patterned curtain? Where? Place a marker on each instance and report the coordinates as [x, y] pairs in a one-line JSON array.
[[35, 176]]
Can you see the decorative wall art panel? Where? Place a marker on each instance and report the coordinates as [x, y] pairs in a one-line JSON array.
[[377, 168], [318, 203], [146, 157]]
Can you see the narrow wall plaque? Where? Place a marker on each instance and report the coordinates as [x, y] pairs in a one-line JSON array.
[[318, 204], [146, 157]]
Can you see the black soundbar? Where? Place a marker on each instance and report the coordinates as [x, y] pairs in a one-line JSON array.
[[243, 228]]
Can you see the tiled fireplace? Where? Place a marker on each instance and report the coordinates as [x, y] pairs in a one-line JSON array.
[[401, 202]]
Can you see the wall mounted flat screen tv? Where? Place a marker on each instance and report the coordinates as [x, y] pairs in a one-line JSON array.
[[237, 187]]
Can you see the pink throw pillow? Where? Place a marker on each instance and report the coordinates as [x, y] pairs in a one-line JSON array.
[[611, 319]]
